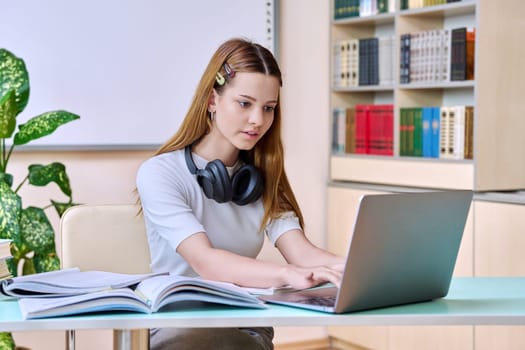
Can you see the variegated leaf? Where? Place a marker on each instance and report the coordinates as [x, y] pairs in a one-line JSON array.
[[40, 175], [46, 262], [10, 210], [7, 114], [36, 231], [6, 341], [13, 75], [42, 125]]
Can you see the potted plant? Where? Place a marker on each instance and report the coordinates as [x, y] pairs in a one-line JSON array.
[[33, 237]]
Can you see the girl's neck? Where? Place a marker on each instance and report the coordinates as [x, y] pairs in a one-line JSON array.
[[210, 150]]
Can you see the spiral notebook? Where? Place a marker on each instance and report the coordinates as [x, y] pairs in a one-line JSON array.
[[403, 250]]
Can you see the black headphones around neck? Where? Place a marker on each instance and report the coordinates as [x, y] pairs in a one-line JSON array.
[[245, 186]]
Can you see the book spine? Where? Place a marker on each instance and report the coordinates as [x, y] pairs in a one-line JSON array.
[[469, 132], [458, 65], [338, 131], [353, 62], [375, 129], [350, 130], [402, 132], [404, 59], [444, 137], [418, 132], [459, 132], [470, 53], [361, 129], [436, 113], [410, 132], [363, 62], [373, 63], [427, 132]]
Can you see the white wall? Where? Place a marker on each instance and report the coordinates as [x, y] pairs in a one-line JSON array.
[[109, 177]]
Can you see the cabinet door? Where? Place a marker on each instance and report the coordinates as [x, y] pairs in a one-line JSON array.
[[499, 247]]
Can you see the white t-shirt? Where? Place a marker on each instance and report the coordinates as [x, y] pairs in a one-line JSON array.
[[175, 207]]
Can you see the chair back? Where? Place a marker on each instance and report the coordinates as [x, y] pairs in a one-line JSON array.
[[106, 238]]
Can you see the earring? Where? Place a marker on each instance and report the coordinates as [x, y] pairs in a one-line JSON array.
[[212, 115]]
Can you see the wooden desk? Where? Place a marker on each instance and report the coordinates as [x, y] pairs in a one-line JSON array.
[[471, 301]]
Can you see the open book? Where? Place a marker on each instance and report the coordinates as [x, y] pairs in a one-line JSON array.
[[59, 294]]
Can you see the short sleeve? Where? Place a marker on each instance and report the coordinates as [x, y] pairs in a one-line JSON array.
[[278, 226], [165, 202]]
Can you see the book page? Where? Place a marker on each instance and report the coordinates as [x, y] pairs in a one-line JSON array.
[[123, 299], [69, 282]]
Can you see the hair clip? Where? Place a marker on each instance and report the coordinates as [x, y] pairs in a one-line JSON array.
[[229, 71], [220, 78]]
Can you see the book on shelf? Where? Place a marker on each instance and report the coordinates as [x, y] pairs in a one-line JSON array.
[[469, 132], [346, 63], [374, 129], [346, 8], [369, 61], [363, 62], [446, 146], [350, 130], [364, 129], [343, 133], [71, 292], [436, 132], [361, 8], [438, 55], [462, 53], [385, 56], [339, 130], [413, 4], [470, 52], [404, 59]]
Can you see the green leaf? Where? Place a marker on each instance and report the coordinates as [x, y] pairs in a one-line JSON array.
[[40, 175], [61, 207], [47, 262], [6, 341], [7, 178], [13, 75], [36, 231], [42, 125], [11, 264], [7, 114], [10, 209]]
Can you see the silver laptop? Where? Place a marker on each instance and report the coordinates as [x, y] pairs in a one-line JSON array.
[[403, 250]]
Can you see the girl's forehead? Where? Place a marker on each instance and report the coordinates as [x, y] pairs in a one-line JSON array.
[[263, 86]]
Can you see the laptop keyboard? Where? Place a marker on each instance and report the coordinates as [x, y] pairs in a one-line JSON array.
[[318, 300]]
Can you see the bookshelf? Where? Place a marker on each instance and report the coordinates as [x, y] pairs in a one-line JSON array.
[[493, 241], [497, 128]]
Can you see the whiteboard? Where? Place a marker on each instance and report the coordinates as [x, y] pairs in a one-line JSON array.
[[129, 68]]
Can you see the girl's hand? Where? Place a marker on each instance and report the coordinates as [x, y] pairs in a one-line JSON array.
[[307, 277]]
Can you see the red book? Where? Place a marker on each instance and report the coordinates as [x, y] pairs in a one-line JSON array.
[[362, 137], [388, 130]]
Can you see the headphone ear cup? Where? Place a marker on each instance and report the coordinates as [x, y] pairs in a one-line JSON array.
[[247, 185], [215, 182]]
